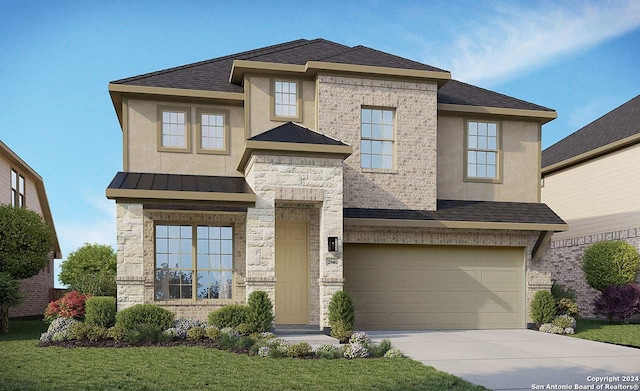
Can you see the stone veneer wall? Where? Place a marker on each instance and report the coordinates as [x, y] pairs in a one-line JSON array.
[[538, 274], [311, 179], [129, 274], [35, 291], [565, 260], [188, 307], [412, 184]]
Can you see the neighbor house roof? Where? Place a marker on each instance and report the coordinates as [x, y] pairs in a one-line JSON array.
[[616, 129], [294, 133], [462, 213], [137, 185], [40, 190]]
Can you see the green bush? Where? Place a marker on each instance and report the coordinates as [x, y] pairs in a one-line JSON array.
[[560, 291], [341, 316], [543, 307], [566, 306], [79, 331], [213, 333], [379, 349], [245, 329], [100, 311], [150, 314], [244, 343], [144, 332], [196, 333], [301, 349], [229, 316], [91, 270], [260, 315], [116, 333], [610, 263]]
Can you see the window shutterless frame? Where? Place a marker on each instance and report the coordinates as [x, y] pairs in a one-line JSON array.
[[212, 137], [170, 129], [377, 138], [482, 148], [286, 94], [18, 189]]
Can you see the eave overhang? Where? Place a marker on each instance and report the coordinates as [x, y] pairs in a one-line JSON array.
[[252, 146], [455, 224], [540, 115]]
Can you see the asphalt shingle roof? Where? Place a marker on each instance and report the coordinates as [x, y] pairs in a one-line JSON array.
[[178, 182], [462, 210], [618, 124], [459, 93], [293, 133]]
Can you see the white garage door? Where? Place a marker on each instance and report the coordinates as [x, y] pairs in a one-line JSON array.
[[430, 287]]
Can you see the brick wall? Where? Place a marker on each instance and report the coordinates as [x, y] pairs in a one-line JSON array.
[[35, 292], [412, 184], [565, 262]]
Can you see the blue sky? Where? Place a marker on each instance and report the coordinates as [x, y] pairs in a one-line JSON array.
[[581, 58]]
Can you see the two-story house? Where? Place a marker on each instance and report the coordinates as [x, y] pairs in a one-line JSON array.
[[309, 167], [22, 187]]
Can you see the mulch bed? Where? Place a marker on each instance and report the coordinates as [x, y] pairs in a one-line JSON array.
[[110, 343]]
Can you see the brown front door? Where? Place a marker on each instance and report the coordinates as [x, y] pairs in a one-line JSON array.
[[292, 272]]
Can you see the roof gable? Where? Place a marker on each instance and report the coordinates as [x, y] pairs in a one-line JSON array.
[[616, 125], [294, 133]]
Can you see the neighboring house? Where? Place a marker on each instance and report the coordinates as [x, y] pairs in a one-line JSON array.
[[591, 179], [23, 187], [309, 167]]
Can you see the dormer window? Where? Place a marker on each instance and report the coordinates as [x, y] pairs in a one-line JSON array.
[[286, 100], [173, 129]]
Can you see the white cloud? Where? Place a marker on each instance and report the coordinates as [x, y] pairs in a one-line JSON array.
[[499, 45]]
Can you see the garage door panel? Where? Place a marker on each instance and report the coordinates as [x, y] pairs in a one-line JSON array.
[[418, 287]]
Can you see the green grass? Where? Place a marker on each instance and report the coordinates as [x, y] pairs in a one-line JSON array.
[[603, 331], [24, 366]]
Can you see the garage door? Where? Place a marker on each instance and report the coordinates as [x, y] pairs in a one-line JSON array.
[[429, 287]]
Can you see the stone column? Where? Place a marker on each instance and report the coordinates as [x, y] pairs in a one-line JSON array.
[[129, 277]]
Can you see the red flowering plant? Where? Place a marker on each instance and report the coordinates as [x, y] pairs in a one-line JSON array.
[[70, 305]]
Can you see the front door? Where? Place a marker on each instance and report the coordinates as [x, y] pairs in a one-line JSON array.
[[292, 272]]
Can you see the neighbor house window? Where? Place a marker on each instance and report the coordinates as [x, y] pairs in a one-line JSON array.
[[193, 262], [285, 99], [173, 130], [17, 190], [482, 150], [377, 137], [213, 132]]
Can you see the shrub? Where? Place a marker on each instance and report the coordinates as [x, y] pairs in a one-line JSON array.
[[360, 337], [58, 330], [228, 337], [97, 333], [550, 328], [144, 332], [244, 343], [566, 306], [100, 311], [356, 350], [244, 329], [260, 314], [610, 263], [560, 291], [102, 283], [145, 314], [196, 333], [79, 331], [213, 333], [543, 307], [393, 353], [264, 351], [341, 316], [182, 325], [229, 316], [618, 301], [71, 305], [564, 322], [90, 269], [116, 333], [301, 349], [380, 349], [328, 352]]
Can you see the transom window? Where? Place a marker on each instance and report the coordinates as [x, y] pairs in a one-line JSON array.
[[17, 190], [212, 130], [286, 98], [193, 261], [482, 150], [174, 130], [376, 144]]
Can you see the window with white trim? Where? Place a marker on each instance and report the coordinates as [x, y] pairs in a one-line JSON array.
[[482, 150], [212, 132], [17, 190], [174, 129], [193, 261], [285, 98], [377, 138]]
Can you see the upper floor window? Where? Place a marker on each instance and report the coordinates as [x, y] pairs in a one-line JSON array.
[[17, 190], [213, 132], [482, 150], [286, 99], [173, 130], [377, 138], [193, 261]]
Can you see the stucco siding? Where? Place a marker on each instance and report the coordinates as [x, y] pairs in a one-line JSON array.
[[143, 154], [598, 196], [519, 162], [5, 181]]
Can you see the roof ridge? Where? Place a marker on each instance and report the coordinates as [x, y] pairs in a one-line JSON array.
[[252, 52], [499, 93], [398, 57], [349, 49], [306, 42]]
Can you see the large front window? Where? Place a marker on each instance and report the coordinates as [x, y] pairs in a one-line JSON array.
[[376, 144], [193, 261], [482, 150]]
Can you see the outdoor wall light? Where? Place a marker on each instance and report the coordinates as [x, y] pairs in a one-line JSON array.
[[333, 244]]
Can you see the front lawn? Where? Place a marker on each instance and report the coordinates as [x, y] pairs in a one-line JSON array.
[[25, 366], [603, 331]]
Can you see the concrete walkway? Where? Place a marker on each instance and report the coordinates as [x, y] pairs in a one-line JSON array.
[[520, 359]]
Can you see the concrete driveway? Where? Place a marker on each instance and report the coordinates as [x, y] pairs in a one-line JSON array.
[[520, 359]]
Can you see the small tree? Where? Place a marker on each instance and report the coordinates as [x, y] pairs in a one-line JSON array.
[[341, 316], [25, 242], [91, 270], [610, 263], [543, 307], [260, 316], [10, 296]]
